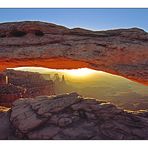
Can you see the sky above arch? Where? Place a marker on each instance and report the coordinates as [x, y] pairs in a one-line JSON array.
[[95, 19]]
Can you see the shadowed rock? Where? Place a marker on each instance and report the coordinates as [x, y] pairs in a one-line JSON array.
[[122, 52], [6, 130], [69, 116]]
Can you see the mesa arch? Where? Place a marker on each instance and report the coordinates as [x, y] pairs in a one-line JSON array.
[[123, 52]]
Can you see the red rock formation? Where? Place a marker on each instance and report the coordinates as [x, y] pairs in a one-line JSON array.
[[122, 52]]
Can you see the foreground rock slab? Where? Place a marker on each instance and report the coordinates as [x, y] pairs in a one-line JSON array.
[[122, 52], [6, 130], [70, 116]]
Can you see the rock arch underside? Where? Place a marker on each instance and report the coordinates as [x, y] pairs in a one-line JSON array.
[[123, 52]]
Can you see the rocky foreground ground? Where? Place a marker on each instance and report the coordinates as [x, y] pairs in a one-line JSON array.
[[70, 116]]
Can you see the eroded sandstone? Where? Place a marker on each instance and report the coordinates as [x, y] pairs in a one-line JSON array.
[[122, 52], [77, 118]]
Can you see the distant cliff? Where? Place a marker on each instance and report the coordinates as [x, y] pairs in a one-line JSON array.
[[34, 83], [24, 84]]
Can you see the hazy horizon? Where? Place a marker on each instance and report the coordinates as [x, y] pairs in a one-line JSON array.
[[86, 76], [123, 92]]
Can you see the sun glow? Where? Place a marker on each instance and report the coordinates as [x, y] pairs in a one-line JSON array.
[[81, 72], [75, 73]]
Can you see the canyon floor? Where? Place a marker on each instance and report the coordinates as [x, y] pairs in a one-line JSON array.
[[70, 117]]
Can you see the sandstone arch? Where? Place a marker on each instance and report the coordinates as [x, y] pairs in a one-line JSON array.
[[122, 52]]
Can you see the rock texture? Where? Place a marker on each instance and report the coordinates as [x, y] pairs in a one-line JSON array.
[[33, 83], [10, 93], [6, 130], [70, 116], [122, 52], [22, 84]]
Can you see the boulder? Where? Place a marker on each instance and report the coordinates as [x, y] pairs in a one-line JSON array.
[[70, 116]]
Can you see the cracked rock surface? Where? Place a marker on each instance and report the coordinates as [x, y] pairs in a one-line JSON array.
[[70, 116]]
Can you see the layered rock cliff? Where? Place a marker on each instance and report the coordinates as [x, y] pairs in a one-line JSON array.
[[34, 83], [70, 116], [23, 84], [122, 52]]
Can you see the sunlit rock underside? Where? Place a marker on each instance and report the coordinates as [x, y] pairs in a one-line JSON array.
[[122, 52], [70, 116]]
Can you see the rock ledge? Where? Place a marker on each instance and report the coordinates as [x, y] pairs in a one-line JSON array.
[[70, 116]]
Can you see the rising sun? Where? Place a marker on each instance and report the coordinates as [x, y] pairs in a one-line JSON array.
[[81, 72]]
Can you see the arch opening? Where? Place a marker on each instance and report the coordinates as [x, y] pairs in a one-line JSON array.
[[69, 63], [37, 81]]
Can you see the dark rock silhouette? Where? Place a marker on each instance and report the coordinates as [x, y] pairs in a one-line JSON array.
[[6, 130], [70, 116]]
